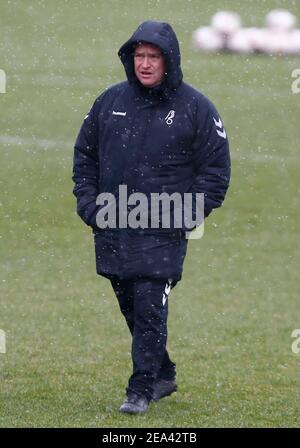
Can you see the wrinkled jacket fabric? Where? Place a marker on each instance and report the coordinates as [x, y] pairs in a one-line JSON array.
[[140, 148]]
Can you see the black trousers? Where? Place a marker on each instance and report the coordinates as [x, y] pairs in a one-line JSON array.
[[144, 304]]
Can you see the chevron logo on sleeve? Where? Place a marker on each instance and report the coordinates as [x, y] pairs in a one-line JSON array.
[[221, 132]]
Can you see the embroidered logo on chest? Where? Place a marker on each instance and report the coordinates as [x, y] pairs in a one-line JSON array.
[[169, 117], [122, 114]]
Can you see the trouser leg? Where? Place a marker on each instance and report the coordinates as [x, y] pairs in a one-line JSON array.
[[167, 370], [124, 293], [149, 335], [141, 304]]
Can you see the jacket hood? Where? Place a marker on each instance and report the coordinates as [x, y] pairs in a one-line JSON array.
[[162, 35]]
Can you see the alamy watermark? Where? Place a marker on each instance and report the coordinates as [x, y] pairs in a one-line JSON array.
[[2, 81], [296, 84], [296, 343], [156, 211], [2, 342]]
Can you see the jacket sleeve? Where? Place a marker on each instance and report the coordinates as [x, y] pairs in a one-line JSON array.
[[211, 158], [86, 168]]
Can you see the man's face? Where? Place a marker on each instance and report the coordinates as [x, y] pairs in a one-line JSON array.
[[149, 64]]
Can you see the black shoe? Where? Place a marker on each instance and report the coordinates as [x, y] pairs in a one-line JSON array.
[[163, 388], [134, 404]]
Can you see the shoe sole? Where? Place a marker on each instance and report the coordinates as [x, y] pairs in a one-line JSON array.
[[128, 411]]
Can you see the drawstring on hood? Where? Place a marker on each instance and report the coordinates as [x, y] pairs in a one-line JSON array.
[[162, 35]]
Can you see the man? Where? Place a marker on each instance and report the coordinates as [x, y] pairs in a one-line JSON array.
[[153, 134]]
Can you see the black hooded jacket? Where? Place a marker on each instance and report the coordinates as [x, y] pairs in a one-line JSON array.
[[127, 139]]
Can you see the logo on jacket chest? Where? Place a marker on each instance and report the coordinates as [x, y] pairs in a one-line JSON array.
[[169, 117], [121, 114]]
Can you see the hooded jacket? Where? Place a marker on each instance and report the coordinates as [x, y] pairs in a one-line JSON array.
[[169, 138]]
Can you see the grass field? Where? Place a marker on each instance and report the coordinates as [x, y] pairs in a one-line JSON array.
[[231, 317]]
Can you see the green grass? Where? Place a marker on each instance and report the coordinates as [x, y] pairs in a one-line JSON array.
[[231, 317]]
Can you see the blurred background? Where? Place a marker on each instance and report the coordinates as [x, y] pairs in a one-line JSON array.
[[231, 317]]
